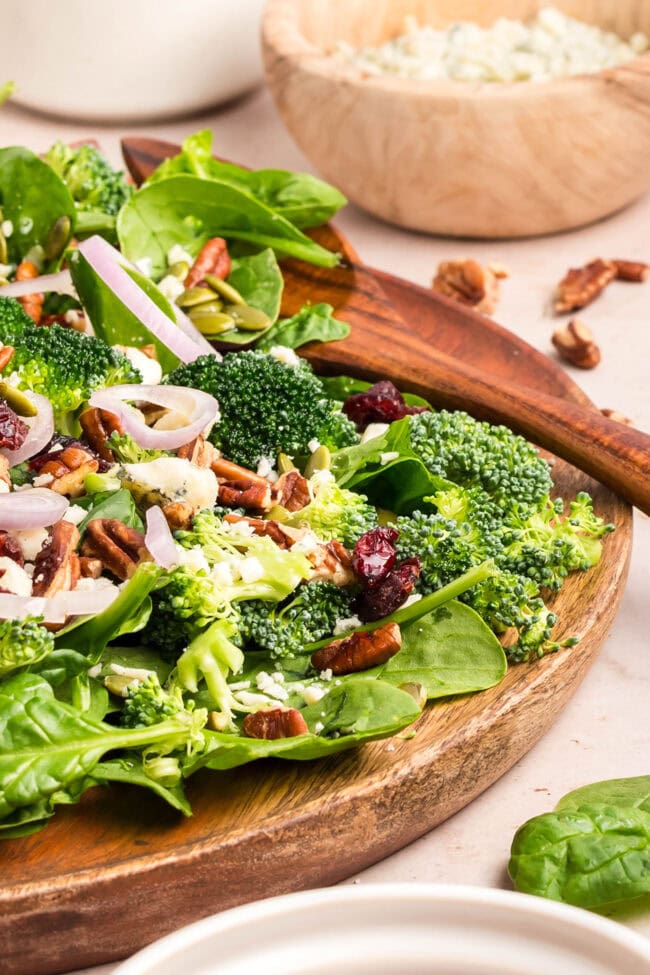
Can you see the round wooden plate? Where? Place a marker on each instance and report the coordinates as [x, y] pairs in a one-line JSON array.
[[121, 869]]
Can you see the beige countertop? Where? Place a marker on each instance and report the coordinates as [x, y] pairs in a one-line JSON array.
[[604, 732]]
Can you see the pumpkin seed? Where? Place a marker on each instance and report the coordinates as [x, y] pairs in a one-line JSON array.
[[285, 464], [211, 322], [417, 691], [180, 270], [278, 513], [320, 460], [57, 238], [227, 292], [247, 318], [195, 296], [19, 403]]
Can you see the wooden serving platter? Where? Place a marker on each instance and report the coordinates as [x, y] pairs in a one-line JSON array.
[[120, 869]]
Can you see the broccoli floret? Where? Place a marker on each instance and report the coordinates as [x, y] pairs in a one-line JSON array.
[[94, 185], [127, 451], [59, 363], [244, 566], [477, 454], [266, 406], [22, 642], [285, 630], [148, 703], [211, 657], [444, 547], [187, 603], [334, 512]]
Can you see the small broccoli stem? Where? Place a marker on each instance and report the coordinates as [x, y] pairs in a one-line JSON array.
[[409, 614]]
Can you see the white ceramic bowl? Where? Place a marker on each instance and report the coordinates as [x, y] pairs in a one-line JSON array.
[[399, 929], [127, 60]]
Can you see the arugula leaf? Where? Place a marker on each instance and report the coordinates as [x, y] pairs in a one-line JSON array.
[[299, 197], [32, 197], [449, 651], [187, 210], [313, 323], [112, 321]]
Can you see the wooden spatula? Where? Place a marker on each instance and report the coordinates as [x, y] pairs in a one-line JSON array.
[[385, 347]]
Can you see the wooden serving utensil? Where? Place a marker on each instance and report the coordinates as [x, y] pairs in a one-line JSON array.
[[613, 453]]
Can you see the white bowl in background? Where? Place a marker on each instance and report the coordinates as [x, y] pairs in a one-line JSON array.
[[127, 60], [394, 929]]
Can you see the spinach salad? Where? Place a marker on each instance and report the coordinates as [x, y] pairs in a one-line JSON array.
[[208, 559]]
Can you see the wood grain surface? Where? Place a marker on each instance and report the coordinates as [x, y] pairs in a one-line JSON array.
[[462, 158], [121, 869]]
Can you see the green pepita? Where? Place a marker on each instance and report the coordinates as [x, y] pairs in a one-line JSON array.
[[320, 460], [285, 464], [19, 403], [247, 318], [57, 238], [180, 270], [225, 290], [211, 323], [195, 296]]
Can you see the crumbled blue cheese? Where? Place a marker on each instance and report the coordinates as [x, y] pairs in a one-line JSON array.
[[318, 727], [326, 674], [7, 228], [266, 468], [177, 255], [171, 287], [285, 355], [74, 513], [150, 369], [31, 541], [250, 569], [374, 430], [13, 578], [251, 700], [388, 456], [343, 625], [273, 688], [313, 693], [145, 266], [551, 45], [43, 480], [176, 479], [192, 558]]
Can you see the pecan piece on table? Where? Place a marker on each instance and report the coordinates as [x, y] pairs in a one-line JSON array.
[[581, 285], [576, 344], [332, 563], [359, 651], [291, 491], [56, 567], [469, 283], [635, 271], [213, 258], [98, 425], [274, 723], [119, 548], [199, 451]]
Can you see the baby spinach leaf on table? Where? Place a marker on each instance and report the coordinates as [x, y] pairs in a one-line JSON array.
[[634, 791], [449, 651], [313, 323], [299, 197], [112, 321], [187, 210], [32, 197], [388, 471], [590, 856], [359, 709]]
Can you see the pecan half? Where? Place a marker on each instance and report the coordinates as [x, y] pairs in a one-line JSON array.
[[359, 651], [253, 496], [10, 548], [282, 537], [635, 271], [274, 723], [56, 567], [199, 452], [291, 491], [213, 259], [469, 283], [32, 304], [332, 563], [581, 285], [178, 514], [97, 426], [120, 548], [575, 343], [89, 568], [69, 470], [618, 417]]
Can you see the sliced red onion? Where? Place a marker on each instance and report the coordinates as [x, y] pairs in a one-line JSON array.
[[31, 508], [159, 540], [200, 409], [56, 609], [41, 429], [185, 341], [61, 282]]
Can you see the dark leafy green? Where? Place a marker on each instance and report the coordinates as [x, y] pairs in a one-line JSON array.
[[32, 197], [313, 323], [187, 210], [110, 504], [130, 771], [259, 281], [298, 197]]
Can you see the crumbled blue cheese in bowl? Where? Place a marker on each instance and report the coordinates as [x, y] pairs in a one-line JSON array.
[[551, 45]]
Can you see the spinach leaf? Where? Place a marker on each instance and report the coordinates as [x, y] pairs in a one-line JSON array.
[[299, 197], [32, 197], [388, 471], [359, 709], [616, 792], [112, 321], [449, 651], [130, 771], [259, 281], [110, 504], [313, 323], [591, 856], [187, 210]]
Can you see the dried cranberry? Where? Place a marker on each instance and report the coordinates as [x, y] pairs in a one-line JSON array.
[[13, 430], [384, 599], [374, 555], [381, 403], [10, 548]]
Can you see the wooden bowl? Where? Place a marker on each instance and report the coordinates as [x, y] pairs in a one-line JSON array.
[[462, 158]]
